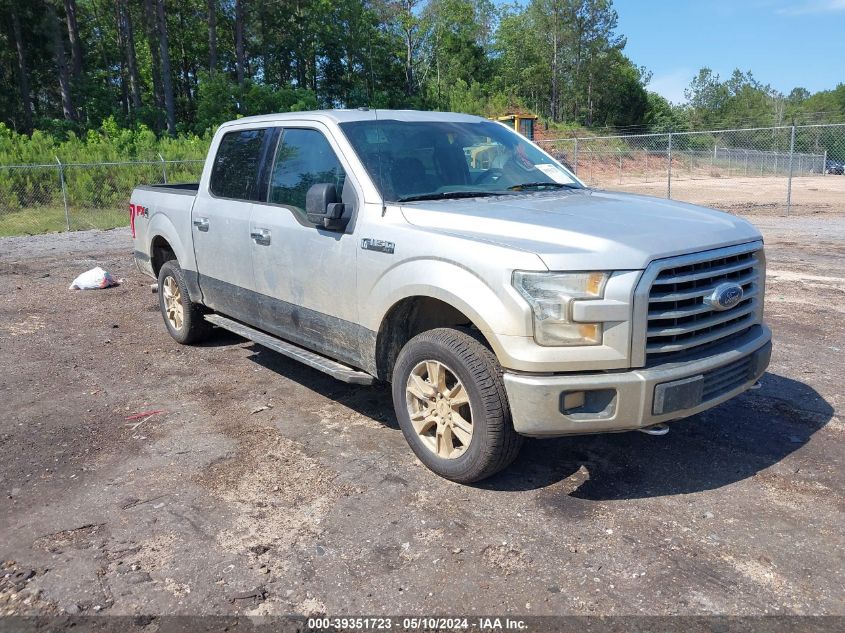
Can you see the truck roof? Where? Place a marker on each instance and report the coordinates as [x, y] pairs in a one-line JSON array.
[[358, 114]]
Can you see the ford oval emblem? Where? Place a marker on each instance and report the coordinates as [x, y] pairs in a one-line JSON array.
[[725, 296]]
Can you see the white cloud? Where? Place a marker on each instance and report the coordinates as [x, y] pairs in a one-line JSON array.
[[671, 85], [813, 7]]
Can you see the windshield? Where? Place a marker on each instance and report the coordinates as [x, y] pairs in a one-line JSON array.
[[414, 160]]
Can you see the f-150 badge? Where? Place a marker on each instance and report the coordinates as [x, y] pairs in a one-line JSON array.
[[382, 246]]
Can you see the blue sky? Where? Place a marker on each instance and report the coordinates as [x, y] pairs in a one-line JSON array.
[[784, 43]]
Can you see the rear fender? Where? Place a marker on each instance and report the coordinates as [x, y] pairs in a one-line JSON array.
[[161, 226]]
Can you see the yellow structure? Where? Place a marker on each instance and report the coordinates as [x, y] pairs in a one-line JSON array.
[[483, 156], [521, 122]]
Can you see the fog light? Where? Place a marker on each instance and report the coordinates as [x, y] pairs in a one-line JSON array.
[[586, 405], [573, 400]]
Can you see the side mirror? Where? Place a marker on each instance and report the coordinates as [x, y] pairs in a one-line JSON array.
[[323, 208]]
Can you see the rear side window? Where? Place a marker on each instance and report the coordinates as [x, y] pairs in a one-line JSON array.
[[235, 171], [304, 158]]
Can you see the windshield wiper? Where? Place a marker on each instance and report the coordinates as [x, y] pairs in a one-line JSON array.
[[536, 185], [450, 195]]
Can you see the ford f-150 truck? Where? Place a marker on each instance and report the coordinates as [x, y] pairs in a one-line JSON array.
[[450, 256]]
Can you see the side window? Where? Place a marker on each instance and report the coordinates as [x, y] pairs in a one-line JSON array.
[[235, 171], [304, 158]]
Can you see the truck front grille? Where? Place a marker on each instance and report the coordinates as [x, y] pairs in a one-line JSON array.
[[679, 318]]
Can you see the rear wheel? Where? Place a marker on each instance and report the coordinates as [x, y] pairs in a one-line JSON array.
[[184, 319], [452, 407]]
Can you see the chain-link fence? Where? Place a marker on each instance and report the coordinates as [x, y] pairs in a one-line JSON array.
[[779, 170], [74, 196], [788, 169]]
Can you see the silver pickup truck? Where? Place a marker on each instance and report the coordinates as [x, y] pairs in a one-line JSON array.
[[448, 255]]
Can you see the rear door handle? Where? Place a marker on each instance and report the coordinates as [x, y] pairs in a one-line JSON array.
[[260, 236], [201, 223]]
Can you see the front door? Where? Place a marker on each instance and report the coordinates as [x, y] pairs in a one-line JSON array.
[[305, 276]]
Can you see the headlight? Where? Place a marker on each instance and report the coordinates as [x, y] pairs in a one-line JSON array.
[[550, 296]]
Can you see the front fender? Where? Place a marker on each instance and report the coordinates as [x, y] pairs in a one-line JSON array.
[[493, 310]]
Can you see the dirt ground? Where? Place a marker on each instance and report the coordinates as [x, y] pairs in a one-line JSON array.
[[767, 195], [265, 487]]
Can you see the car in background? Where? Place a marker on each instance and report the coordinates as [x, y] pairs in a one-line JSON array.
[[834, 167]]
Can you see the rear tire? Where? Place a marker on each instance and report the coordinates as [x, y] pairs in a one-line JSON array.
[[452, 407], [184, 319]]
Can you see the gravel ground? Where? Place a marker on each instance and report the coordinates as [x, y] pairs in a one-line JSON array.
[[264, 487]]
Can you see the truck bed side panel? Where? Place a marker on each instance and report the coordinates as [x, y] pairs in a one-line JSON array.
[[166, 214]]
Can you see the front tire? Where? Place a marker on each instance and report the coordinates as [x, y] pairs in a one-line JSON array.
[[451, 404], [184, 319]]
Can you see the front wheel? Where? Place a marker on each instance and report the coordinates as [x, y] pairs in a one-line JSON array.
[[452, 407], [184, 319]]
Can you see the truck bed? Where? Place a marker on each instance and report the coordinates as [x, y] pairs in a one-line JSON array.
[[163, 210], [185, 188]]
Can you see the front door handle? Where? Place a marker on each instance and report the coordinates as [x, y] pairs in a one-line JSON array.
[[201, 223], [260, 236]]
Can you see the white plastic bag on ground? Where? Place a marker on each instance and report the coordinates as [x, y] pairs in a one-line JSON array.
[[93, 279]]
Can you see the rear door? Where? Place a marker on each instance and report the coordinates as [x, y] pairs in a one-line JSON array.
[[221, 222], [305, 276]]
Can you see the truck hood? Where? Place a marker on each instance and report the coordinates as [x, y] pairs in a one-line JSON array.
[[585, 229]]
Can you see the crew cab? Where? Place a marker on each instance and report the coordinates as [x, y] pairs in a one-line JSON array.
[[452, 257]]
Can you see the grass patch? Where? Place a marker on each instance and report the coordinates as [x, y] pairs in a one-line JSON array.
[[37, 220]]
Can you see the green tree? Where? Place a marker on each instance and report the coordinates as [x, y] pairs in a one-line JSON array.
[[66, 66], [662, 116], [456, 49]]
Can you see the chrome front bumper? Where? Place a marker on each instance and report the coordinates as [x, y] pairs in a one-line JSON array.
[[573, 404]]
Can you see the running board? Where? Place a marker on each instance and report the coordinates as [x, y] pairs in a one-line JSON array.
[[307, 357]]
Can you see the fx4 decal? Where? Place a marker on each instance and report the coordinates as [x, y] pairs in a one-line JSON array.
[[135, 210]]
